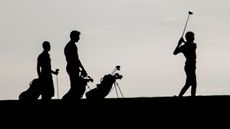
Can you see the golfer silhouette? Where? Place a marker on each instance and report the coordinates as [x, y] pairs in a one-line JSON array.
[[189, 51], [74, 67], [45, 72]]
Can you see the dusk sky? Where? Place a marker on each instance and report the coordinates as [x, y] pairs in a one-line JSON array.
[[138, 35]]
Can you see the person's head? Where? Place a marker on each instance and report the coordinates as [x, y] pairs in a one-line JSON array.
[[75, 35], [46, 46], [189, 37]]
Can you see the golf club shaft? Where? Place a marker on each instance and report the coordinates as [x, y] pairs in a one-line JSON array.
[[185, 25], [57, 87], [114, 71]]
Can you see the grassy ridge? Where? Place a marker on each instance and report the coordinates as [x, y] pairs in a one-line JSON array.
[[157, 109]]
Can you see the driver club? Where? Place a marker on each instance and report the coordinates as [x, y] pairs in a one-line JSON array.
[[189, 13]]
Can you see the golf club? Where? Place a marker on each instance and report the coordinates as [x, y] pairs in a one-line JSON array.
[[189, 13], [118, 67], [57, 70]]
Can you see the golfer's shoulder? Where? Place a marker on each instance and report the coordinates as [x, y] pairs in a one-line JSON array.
[[41, 56], [70, 47]]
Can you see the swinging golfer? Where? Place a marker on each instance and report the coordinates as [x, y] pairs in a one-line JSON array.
[[189, 51]]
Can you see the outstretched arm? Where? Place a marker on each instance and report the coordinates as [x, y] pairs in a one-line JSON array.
[[177, 49]]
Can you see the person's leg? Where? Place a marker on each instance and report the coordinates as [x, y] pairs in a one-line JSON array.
[[187, 83], [48, 89], [73, 75], [184, 89], [193, 83], [73, 81]]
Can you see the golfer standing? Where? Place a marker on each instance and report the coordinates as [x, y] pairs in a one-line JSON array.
[[45, 72], [189, 51], [74, 66]]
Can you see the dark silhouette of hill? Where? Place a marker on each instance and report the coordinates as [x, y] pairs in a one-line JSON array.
[[199, 109]]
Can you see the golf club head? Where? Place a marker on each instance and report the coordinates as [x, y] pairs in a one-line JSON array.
[[118, 67], [118, 76], [190, 12]]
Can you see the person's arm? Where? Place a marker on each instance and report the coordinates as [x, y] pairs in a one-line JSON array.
[[177, 49], [54, 72], [195, 45], [83, 71], [38, 68]]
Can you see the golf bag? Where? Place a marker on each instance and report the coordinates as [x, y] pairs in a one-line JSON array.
[[33, 92], [105, 86], [76, 92]]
